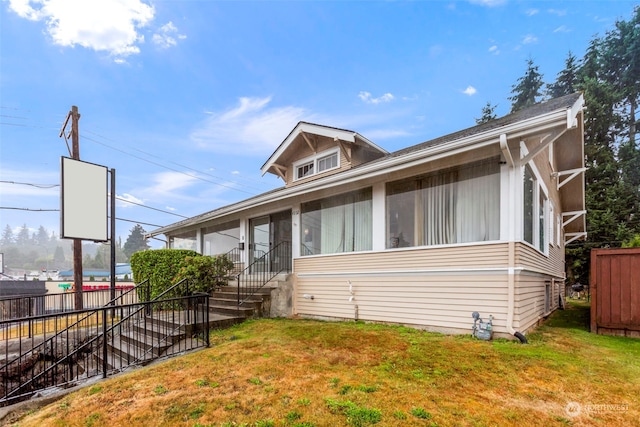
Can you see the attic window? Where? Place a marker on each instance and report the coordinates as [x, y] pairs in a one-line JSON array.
[[304, 170], [323, 162]]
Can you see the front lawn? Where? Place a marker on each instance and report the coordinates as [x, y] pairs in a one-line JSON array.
[[312, 373]]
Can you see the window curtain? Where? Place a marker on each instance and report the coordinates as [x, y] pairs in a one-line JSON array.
[[478, 203], [439, 194], [454, 206], [346, 223]]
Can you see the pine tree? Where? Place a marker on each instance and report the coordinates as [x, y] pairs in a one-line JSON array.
[[23, 238], [136, 241], [42, 237], [488, 114], [7, 236], [526, 92], [567, 80]]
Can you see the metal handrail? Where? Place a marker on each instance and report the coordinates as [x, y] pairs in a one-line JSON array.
[[106, 331], [252, 278], [76, 323]]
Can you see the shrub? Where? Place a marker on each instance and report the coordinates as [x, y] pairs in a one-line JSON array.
[[166, 267]]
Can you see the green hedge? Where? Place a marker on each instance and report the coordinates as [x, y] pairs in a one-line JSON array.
[[166, 267]]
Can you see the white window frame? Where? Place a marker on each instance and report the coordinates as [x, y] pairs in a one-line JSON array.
[[313, 160], [539, 189]]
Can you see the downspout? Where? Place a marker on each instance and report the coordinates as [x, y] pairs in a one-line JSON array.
[[511, 274], [511, 293]]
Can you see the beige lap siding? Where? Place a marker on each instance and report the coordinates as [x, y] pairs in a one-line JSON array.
[[433, 288]]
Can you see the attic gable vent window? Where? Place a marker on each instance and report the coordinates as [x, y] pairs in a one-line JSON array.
[[321, 163]]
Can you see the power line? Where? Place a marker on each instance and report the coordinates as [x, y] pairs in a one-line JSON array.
[[30, 209], [149, 207], [117, 198], [58, 210], [167, 167], [138, 222], [32, 185], [175, 163]]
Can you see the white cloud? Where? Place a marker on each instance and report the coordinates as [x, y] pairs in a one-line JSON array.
[[108, 25], [170, 208], [558, 12], [470, 90], [562, 29], [168, 183], [529, 39], [126, 197], [488, 3], [252, 127], [531, 12], [494, 49], [166, 36], [367, 98]]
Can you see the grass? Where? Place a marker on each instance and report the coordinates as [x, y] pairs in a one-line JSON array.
[[356, 374]]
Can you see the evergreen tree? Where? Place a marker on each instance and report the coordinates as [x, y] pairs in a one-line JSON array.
[[567, 80], [42, 237], [7, 236], [526, 92], [136, 241], [23, 238], [488, 113]]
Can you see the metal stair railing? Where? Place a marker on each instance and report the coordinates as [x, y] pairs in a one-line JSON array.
[[262, 270], [133, 310], [15, 327], [31, 324]]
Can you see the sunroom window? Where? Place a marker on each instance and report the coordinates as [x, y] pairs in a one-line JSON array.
[[341, 223], [535, 216], [457, 205]]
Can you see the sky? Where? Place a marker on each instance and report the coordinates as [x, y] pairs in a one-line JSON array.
[[186, 100]]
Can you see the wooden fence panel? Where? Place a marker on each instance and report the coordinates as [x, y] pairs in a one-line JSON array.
[[615, 291]]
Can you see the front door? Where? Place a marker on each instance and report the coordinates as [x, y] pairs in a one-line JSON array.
[[266, 233]]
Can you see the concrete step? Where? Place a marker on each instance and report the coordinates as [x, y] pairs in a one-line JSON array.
[[222, 321], [255, 302], [242, 312]]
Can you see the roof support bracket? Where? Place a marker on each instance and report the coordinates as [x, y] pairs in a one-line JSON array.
[[343, 148], [281, 171], [504, 146], [570, 237], [544, 143], [309, 142], [572, 174], [573, 216]]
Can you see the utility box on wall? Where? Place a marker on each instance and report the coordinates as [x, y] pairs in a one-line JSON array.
[[615, 291]]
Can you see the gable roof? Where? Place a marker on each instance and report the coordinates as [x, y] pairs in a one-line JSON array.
[[321, 130], [555, 112]]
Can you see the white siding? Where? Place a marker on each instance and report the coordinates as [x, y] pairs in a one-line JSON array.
[[431, 288]]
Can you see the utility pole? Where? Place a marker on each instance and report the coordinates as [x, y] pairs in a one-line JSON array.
[[77, 243]]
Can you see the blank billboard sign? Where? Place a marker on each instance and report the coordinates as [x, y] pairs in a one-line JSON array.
[[84, 200]]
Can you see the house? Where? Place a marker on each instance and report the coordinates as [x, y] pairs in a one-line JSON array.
[[472, 221]]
